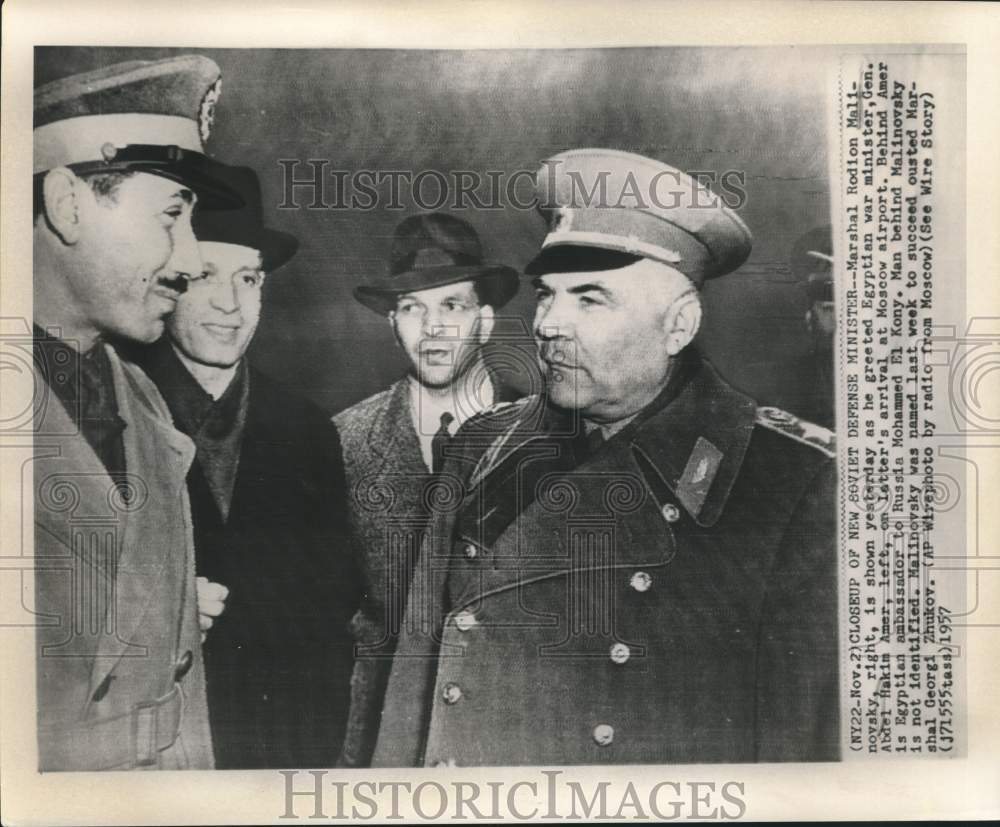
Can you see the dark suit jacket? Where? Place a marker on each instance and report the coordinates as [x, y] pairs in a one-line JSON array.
[[391, 493], [278, 660], [669, 598]]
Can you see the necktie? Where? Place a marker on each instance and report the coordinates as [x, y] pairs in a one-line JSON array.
[[441, 437]]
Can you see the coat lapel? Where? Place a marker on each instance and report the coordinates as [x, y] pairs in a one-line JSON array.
[[696, 444], [157, 458], [391, 438], [72, 486]]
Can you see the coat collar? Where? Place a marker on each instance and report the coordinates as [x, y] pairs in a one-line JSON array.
[[696, 442], [692, 438]]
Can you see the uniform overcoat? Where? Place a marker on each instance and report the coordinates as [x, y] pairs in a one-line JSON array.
[[391, 494], [668, 597]]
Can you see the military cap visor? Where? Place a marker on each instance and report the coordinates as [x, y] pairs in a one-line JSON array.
[[204, 176], [574, 258]]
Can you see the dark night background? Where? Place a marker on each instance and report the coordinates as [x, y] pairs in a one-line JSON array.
[[760, 111]]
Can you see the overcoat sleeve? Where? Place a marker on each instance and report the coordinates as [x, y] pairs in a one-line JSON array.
[[797, 653]]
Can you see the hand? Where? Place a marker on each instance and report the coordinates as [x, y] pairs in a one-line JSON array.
[[211, 603]]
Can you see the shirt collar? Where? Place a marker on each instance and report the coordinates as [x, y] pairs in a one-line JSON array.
[[465, 398]]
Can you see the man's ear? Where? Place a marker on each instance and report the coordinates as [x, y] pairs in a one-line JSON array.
[[391, 317], [61, 191], [681, 322], [486, 321]]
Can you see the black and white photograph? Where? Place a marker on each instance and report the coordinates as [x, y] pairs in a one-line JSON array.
[[463, 411]]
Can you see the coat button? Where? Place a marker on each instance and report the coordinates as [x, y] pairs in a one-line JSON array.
[[641, 581], [604, 734], [452, 693], [620, 653], [183, 665], [465, 620], [671, 513], [470, 551]]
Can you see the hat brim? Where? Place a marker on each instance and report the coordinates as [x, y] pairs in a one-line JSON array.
[[496, 284], [276, 249]]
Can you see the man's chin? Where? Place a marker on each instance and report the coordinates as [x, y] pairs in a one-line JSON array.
[[142, 334], [438, 379], [223, 362], [563, 393]]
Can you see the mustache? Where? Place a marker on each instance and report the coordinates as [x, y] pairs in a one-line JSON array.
[[178, 284]]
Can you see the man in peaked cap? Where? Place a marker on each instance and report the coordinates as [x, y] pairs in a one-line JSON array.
[[118, 167], [642, 565], [440, 298], [269, 503]]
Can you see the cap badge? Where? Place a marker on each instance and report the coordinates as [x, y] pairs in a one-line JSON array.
[[108, 151], [206, 112]]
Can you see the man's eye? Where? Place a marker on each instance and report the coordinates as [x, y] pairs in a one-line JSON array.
[[589, 301], [454, 307], [252, 279], [174, 212]]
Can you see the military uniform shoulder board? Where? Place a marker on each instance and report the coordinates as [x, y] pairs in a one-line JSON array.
[[798, 429]]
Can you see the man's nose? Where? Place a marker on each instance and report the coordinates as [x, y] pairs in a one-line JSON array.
[[433, 325], [223, 296], [186, 259], [552, 322]]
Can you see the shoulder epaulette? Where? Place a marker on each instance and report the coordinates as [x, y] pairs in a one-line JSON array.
[[798, 429]]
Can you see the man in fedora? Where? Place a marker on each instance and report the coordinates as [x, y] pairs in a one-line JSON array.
[[268, 499], [118, 166], [641, 567], [440, 300]]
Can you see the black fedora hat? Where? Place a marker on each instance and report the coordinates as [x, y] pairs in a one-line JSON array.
[[244, 226], [433, 250]]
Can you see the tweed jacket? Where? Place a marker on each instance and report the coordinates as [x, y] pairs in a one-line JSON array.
[[391, 493], [120, 679], [670, 597]]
